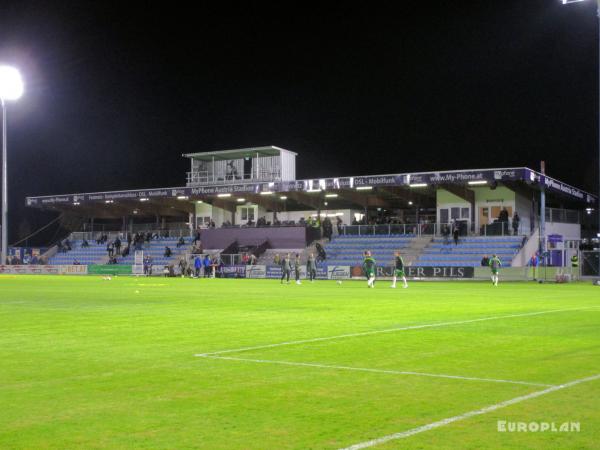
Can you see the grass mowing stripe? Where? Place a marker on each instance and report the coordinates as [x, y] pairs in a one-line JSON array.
[[477, 412], [363, 369], [391, 330]]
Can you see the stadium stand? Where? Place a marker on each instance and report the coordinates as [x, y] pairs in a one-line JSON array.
[[156, 249], [97, 254], [469, 251], [94, 254], [348, 250]]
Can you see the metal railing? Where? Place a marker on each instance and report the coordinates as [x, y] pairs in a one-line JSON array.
[[111, 235], [201, 178], [563, 215], [428, 229]]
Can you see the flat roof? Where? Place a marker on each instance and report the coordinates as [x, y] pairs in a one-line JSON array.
[[238, 153], [416, 182]]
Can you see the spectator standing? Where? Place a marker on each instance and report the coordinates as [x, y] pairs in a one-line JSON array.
[[206, 263], [515, 223], [485, 261], [340, 225], [168, 252], [147, 265], [534, 262], [277, 260], [197, 266], [455, 234], [110, 249], [118, 246]]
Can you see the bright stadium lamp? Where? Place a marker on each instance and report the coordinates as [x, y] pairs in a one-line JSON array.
[[11, 84], [11, 88]]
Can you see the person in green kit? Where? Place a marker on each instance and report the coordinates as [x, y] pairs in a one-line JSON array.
[[369, 269], [399, 271], [495, 265]]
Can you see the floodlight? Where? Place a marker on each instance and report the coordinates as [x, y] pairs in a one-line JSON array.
[[11, 84]]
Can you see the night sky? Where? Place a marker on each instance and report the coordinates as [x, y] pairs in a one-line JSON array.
[[114, 96]]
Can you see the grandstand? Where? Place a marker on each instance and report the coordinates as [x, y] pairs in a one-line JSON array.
[[250, 198]]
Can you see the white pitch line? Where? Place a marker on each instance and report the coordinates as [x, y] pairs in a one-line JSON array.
[[477, 412], [362, 369], [390, 330]]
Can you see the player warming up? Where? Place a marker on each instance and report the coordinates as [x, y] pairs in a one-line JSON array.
[[311, 268], [369, 268], [495, 265], [399, 271], [286, 268], [297, 268]]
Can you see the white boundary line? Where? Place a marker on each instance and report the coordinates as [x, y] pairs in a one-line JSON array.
[[477, 412], [391, 330], [362, 369]]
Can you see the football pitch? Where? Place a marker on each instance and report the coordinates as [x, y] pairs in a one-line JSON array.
[[252, 364]]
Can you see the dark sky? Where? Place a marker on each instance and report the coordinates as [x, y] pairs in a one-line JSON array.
[[114, 96]]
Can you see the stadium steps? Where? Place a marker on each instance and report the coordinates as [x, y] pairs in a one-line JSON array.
[[348, 250], [94, 254], [469, 251], [156, 249]]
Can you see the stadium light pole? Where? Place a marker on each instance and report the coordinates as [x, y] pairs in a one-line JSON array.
[[566, 2], [11, 88]]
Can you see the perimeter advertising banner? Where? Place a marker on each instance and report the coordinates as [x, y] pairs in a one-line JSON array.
[[109, 269], [323, 272], [421, 272], [44, 270], [258, 271], [234, 271]]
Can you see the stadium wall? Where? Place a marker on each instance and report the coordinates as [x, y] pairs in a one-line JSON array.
[[279, 237]]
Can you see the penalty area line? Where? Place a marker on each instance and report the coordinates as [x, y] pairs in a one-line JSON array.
[[384, 371], [391, 330], [477, 412]]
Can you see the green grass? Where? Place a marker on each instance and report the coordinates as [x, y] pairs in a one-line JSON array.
[[89, 363]]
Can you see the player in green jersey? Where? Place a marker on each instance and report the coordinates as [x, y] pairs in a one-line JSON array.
[[399, 271], [495, 265], [369, 268]]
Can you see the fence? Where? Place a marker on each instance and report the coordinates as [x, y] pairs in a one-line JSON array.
[[92, 236], [590, 264]]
